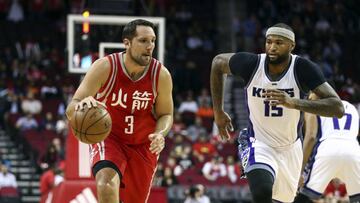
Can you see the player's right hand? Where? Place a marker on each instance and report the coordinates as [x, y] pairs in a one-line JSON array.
[[89, 101], [223, 122]]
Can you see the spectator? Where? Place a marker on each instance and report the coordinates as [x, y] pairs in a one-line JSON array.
[[179, 142], [67, 92], [31, 88], [59, 148], [169, 178], [189, 105], [26, 123], [204, 97], [193, 195], [193, 40], [171, 163], [7, 179], [203, 198], [184, 160], [48, 180], [178, 126], [196, 129], [5, 162], [233, 169], [61, 126], [48, 123], [203, 148], [205, 110], [322, 25], [48, 90], [214, 169], [10, 106], [16, 12], [196, 194], [13, 103], [31, 105], [61, 109], [34, 73], [51, 157]]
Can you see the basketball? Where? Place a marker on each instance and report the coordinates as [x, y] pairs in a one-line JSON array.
[[92, 125]]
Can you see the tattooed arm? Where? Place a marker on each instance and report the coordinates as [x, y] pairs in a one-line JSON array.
[[219, 68], [242, 65], [310, 78], [328, 104]]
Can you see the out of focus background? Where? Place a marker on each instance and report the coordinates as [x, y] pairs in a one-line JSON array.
[[36, 85]]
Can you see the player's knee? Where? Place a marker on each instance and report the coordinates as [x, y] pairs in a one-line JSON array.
[[262, 193], [107, 185], [106, 188], [107, 182]]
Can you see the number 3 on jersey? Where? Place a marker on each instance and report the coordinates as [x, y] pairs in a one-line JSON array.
[[129, 120]]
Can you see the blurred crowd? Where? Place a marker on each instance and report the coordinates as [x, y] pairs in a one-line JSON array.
[[35, 85]]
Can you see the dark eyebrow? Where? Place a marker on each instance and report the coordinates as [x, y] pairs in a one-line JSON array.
[[141, 38], [276, 40]]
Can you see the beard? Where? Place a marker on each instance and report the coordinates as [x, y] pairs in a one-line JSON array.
[[139, 59], [280, 59]]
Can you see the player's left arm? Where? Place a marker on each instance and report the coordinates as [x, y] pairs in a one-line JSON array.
[[328, 104], [164, 108], [310, 78]]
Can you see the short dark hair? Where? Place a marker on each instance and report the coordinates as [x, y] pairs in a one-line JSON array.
[[193, 190], [283, 25], [129, 30]]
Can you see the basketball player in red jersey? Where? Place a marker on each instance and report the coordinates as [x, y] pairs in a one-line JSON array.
[[137, 91]]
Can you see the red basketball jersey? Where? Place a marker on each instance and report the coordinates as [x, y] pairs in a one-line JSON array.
[[130, 103]]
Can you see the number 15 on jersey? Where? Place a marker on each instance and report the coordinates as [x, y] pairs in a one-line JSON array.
[[272, 111]]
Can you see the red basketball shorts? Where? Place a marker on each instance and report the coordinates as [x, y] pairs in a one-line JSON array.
[[136, 164]]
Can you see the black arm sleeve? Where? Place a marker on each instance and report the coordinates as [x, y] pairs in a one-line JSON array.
[[243, 64], [308, 74]]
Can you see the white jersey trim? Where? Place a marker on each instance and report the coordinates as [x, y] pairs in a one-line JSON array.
[[154, 73], [105, 93]]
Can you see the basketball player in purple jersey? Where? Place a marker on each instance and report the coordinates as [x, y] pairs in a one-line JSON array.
[[331, 151], [276, 84]]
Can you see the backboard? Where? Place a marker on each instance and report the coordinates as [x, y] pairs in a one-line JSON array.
[[104, 34]]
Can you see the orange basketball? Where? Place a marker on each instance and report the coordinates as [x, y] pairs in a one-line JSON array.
[[92, 125]]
